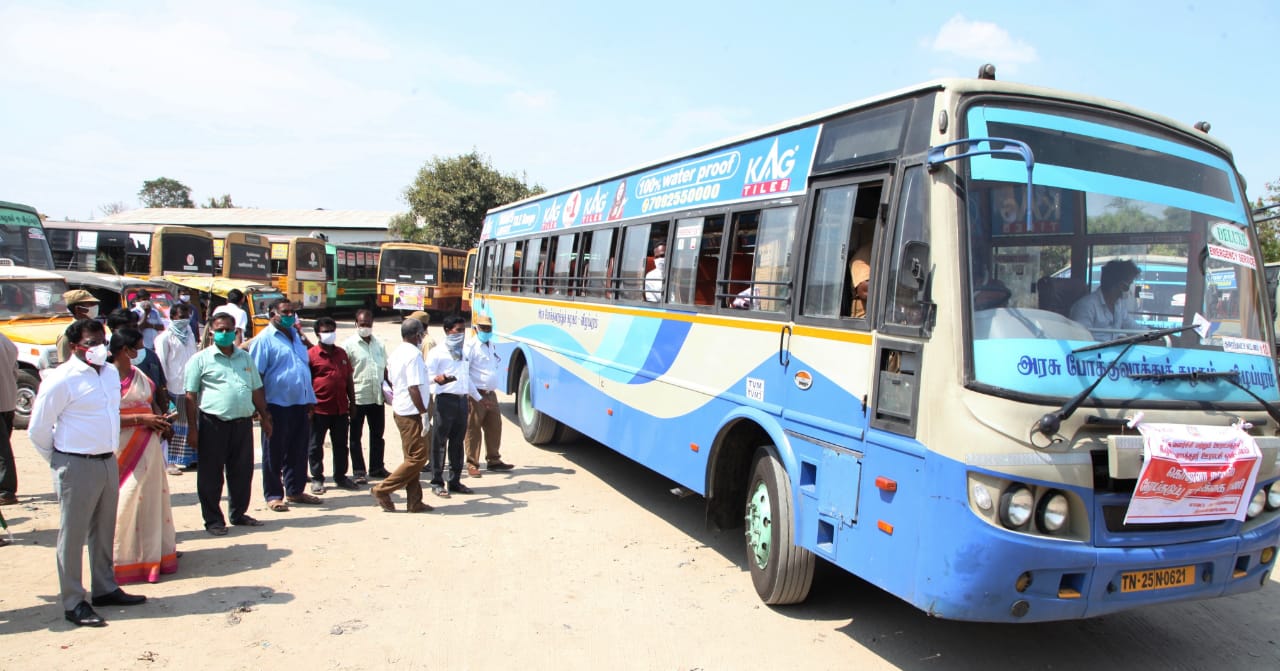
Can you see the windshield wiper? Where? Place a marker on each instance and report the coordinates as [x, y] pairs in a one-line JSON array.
[[1230, 376], [1050, 422], [1145, 336]]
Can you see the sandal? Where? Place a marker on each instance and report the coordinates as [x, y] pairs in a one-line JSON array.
[[278, 506], [173, 470], [439, 490]]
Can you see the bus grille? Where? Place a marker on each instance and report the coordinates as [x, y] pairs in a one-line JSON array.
[[1114, 518]]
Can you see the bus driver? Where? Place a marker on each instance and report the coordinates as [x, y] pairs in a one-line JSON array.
[[1102, 309]]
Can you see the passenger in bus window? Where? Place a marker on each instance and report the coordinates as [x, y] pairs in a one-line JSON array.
[[745, 300], [860, 271], [1103, 309], [653, 279]]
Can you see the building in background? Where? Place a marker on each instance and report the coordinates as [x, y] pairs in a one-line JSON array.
[[345, 226]]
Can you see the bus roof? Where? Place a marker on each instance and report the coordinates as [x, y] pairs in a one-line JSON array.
[[955, 86]]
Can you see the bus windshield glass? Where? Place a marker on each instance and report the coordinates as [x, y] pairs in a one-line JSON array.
[[186, 254], [31, 298], [247, 262], [22, 239], [310, 259], [1131, 230], [409, 266]]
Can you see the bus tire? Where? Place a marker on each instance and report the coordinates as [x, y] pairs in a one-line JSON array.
[[28, 383], [538, 428], [781, 571]]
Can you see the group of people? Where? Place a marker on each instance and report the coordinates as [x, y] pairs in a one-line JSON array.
[[104, 417]]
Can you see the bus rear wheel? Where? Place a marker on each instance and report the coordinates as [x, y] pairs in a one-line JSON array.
[[538, 428], [781, 571]]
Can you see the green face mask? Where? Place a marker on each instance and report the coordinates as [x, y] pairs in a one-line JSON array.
[[224, 338], [287, 321]]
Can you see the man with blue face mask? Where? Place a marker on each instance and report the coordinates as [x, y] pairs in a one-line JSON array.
[[451, 386], [483, 417]]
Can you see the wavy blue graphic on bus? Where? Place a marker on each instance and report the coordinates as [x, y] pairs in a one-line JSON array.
[[1048, 368], [773, 166], [639, 349]]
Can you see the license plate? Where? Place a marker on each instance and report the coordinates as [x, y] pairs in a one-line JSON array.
[[1163, 578]]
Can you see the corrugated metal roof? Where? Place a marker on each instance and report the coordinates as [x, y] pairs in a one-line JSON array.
[[248, 217]]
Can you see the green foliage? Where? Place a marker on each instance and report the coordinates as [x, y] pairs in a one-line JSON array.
[[218, 203], [451, 195], [165, 192], [1269, 223]]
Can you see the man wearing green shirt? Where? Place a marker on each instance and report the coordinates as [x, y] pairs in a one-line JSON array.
[[369, 370], [223, 384]]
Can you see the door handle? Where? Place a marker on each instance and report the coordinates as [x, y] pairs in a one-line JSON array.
[[784, 346]]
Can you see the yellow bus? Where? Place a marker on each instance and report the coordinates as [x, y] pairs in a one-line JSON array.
[[414, 276], [298, 270], [243, 256], [137, 250]]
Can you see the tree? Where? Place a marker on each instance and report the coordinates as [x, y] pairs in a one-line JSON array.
[[165, 192], [223, 202], [1268, 222], [112, 208], [451, 195]]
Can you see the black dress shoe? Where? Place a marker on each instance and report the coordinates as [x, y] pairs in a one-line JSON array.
[[345, 483], [216, 530], [118, 598], [83, 616], [460, 488], [246, 521], [379, 473]]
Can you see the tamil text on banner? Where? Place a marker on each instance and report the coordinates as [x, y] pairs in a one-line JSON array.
[[1194, 473]]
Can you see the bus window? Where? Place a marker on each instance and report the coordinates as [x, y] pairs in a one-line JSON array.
[[695, 260], [599, 246], [840, 251], [903, 306], [635, 254], [771, 265], [506, 277], [562, 270], [533, 256]]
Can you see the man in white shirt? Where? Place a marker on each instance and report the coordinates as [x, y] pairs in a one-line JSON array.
[[409, 405], [174, 348], [451, 385], [653, 279], [75, 426], [232, 307], [150, 321], [483, 418], [1105, 310]]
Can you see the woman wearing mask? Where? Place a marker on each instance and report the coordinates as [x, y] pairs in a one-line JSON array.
[[174, 348], [145, 545]]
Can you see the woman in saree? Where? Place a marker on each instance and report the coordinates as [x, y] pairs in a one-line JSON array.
[[145, 542]]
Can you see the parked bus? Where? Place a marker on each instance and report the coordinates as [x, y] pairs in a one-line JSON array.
[[413, 276], [298, 270], [353, 276], [22, 237], [249, 257], [137, 250], [979, 461]]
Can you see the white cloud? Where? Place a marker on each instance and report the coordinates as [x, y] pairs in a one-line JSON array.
[[982, 40]]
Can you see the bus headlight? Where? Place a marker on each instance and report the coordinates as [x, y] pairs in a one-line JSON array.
[[1273, 496], [1016, 504], [1256, 504], [1051, 512]]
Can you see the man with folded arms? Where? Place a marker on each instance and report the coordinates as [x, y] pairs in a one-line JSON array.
[[75, 426], [223, 391]]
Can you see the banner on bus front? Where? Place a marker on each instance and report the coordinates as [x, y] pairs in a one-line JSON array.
[[1194, 473]]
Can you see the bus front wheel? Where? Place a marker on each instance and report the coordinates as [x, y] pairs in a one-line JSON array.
[[28, 383], [538, 428], [781, 571]]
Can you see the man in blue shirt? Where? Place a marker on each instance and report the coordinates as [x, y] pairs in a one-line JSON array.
[[280, 353]]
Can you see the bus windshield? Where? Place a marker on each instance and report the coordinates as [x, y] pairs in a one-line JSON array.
[[31, 298], [186, 254], [409, 266], [22, 239], [1131, 231]]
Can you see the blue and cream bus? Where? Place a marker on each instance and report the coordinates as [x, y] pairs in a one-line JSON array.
[[707, 316]]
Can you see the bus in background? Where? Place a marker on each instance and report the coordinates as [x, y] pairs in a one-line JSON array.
[[244, 256], [141, 250], [353, 276], [22, 237], [414, 276], [469, 279], [851, 334], [298, 270]]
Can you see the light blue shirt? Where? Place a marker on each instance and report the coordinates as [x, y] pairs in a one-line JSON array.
[[285, 369]]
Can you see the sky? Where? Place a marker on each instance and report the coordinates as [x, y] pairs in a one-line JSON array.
[[338, 105]]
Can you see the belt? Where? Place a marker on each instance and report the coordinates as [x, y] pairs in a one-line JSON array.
[[102, 455], [485, 391], [224, 421]]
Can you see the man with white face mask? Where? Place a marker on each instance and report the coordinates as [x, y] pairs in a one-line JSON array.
[[174, 348], [369, 372], [75, 426], [82, 305], [335, 396], [150, 321], [653, 279]]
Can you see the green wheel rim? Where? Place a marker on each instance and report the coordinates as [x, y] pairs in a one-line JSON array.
[[759, 524], [526, 401]]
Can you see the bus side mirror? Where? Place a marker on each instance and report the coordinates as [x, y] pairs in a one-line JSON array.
[[916, 268]]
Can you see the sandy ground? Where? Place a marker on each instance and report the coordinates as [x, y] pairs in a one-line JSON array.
[[577, 559]]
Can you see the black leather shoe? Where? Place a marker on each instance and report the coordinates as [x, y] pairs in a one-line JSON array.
[[83, 616], [379, 473], [345, 483], [460, 488], [118, 598]]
